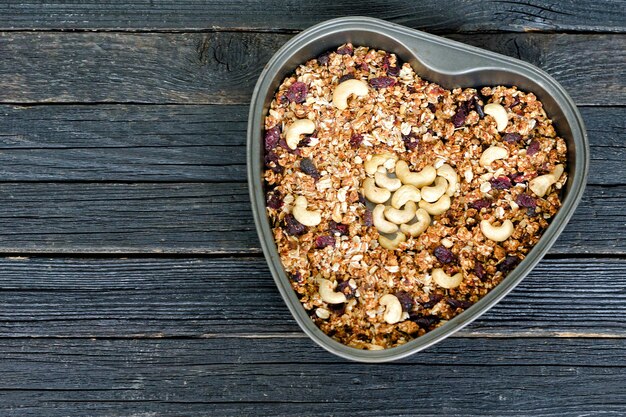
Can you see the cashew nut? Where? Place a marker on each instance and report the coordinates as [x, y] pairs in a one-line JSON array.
[[371, 165], [304, 216], [416, 179], [398, 216], [346, 89], [379, 221], [391, 244], [446, 281], [404, 194], [297, 128], [437, 208], [328, 294], [393, 308], [447, 172], [373, 193], [417, 228], [497, 233], [542, 183], [433, 193], [382, 180], [491, 154], [499, 114]]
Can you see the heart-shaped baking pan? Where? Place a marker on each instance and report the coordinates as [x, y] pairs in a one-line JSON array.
[[450, 64]]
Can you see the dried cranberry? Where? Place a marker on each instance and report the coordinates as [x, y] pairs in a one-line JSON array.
[[324, 58], [367, 218], [459, 117], [386, 63], [475, 104], [432, 107], [509, 263], [346, 78], [411, 89], [479, 270], [454, 303], [297, 92], [410, 141], [406, 300], [425, 322], [533, 148], [323, 241], [283, 144], [394, 71], [334, 228], [511, 137], [308, 167], [480, 203], [382, 82], [516, 101], [345, 50], [293, 227], [432, 301], [356, 140], [444, 255], [364, 66], [525, 200], [501, 183], [517, 177], [274, 201], [271, 161], [272, 136]]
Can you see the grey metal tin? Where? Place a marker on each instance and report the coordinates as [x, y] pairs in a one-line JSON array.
[[451, 64]]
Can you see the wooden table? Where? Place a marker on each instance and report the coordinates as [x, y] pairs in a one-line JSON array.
[[131, 278]]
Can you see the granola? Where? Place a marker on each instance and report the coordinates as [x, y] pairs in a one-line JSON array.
[[338, 266]]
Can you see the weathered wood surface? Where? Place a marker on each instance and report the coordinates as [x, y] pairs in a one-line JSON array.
[[207, 218], [213, 297], [430, 15], [278, 377], [222, 67], [187, 143]]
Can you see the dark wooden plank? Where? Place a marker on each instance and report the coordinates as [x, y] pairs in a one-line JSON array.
[[222, 67], [207, 218], [431, 15], [186, 143], [255, 377], [69, 297]]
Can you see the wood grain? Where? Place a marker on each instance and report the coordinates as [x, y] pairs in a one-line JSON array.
[[207, 218], [430, 15], [213, 297], [187, 143], [257, 377], [222, 67]]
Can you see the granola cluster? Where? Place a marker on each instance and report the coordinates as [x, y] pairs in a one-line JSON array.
[[342, 274]]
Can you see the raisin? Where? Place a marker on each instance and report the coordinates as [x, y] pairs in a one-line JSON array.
[[338, 309], [431, 107], [525, 200], [323, 241], [509, 263], [345, 288], [296, 277], [533, 148], [511, 137], [425, 322], [382, 82], [406, 301], [271, 161], [334, 228], [308, 167], [356, 140], [346, 78], [324, 58], [454, 303], [293, 227], [297, 92], [432, 301], [517, 178], [480, 272], [346, 49], [272, 136], [410, 141], [501, 183], [480, 204], [477, 106], [444, 255], [458, 119]]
